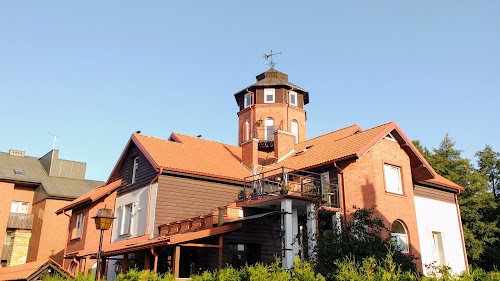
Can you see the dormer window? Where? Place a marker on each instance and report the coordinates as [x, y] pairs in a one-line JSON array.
[[269, 95], [248, 100], [135, 167], [293, 98]]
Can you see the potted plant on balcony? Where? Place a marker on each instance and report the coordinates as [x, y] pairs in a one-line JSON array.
[[241, 195], [285, 189]]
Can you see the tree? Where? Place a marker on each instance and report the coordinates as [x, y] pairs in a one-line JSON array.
[[489, 164], [478, 207]]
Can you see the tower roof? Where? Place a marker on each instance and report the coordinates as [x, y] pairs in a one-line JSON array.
[[273, 77]]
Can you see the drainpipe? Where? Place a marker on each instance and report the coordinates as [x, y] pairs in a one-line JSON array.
[[343, 192], [67, 235], [77, 266], [155, 266], [461, 231], [252, 133], [149, 200], [288, 108]]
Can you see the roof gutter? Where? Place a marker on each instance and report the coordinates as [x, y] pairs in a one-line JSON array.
[[461, 231]]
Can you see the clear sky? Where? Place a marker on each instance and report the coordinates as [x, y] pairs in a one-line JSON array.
[[94, 72]]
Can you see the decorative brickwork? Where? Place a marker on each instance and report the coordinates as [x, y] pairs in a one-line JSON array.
[[19, 245]]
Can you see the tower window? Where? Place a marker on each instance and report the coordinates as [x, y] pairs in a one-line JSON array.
[[246, 131], [295, 131], [134, 169], [293, 98], [269, 95], [248, 100], [269, 129]]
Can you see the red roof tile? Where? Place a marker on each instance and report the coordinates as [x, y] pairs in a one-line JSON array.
[[24, 271], [442, 181]]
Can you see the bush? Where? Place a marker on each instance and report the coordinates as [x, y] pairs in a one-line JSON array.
[[144, 275]]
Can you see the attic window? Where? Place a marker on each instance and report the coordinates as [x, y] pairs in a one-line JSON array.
[[390, 137], [19, 172], [303, 150]]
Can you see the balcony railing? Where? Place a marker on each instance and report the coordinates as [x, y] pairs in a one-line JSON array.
[[20, 221], [294, 183], [5, 252]]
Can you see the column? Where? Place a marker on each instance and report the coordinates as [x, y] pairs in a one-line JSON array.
[[287, 227], [311, 230]]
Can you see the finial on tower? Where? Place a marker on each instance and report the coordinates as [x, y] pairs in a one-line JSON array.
[[267, 56]]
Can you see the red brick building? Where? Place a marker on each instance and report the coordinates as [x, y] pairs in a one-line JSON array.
[[187, 204]]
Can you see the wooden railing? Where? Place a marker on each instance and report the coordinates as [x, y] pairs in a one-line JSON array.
[[20, 221]]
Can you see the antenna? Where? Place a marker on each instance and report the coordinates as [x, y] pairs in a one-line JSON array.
[[267, 56], [55, 139]]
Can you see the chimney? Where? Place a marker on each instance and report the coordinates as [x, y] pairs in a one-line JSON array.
[[250, 153], [283, 143], [18, 153]]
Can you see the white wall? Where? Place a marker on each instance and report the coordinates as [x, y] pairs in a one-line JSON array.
[[139, 198], [439, 216]]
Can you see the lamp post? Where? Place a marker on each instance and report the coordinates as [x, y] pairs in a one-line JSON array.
[[103, 220]]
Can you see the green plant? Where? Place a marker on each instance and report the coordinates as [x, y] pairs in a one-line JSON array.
[[144, 275]]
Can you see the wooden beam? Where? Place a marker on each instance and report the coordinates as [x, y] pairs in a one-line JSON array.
[[219, 256], [125, 263], [147, 261], [200, 245], [177, 260]]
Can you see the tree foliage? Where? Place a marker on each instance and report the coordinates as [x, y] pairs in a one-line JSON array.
[[478, 206]]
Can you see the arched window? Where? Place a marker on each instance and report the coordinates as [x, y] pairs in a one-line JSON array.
[[246, 131], [269, 129], [295, 131], [399, 236]]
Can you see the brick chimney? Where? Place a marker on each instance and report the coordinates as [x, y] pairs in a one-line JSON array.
[[250, 153], [283, 143]]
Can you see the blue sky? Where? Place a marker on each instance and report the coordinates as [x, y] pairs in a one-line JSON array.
[[94, 72]]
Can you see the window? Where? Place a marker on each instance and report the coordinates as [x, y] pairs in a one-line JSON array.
[[295, 131], [390, 137], [248, 100], [392, 179], [246, 131], [269, 129], [399, 236], [126, 219], [268, 95], [78, 230], [437, 248], [293, 98], [134, 169], [19, 207]]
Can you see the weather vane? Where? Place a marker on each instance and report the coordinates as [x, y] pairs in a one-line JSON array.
[[271, 63]]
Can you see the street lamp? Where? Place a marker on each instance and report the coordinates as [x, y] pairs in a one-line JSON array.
[[103, 220]]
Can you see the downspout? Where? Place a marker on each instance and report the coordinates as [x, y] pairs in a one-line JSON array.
[[77, 265], [155, 266], [149, 199], [461, 232], [67, 235], [288, 108], [252, 133], [343, 192]]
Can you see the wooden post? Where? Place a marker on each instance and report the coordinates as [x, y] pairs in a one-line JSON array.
[[147, 261], [125, 263], [177, 260], [219, 256]]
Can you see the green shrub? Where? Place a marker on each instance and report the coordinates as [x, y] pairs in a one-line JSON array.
[[144, 275]]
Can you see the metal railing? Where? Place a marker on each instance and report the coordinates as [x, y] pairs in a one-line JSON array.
[[291, 182], [20, 221]]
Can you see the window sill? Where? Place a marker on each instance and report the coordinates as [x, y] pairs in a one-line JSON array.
[[395, 194], [125, 235], [76, 238]]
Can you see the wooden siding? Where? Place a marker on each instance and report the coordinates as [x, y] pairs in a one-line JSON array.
[[181, 198], [145, 172], [436, 194]]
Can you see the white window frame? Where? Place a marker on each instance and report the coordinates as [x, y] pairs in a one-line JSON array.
[[398, 237], [269, 129], [438, 248], [78, 230], [294, 94], [135, 167], [247, 100], [19, 207], [294, 129], [126, 219], [393, 181], [269, 92]]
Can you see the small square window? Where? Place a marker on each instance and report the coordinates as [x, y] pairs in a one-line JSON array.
[[268, 95], [393, 179], [293, 98], [19, 172]]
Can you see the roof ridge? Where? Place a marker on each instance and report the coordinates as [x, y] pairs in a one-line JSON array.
[[330, 133], [365, 131], [159, 139], [218, 142]]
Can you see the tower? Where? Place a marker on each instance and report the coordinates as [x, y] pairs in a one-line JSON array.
[[269, 106]]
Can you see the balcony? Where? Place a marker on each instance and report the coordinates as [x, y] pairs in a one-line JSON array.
[[295, 183], [20, 221]]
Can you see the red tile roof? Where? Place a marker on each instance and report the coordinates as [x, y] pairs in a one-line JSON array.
[[92, 196], [194, 155], [442, 181], [25, 271]]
